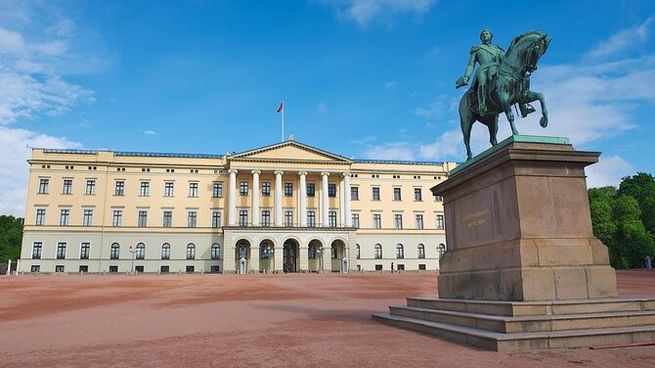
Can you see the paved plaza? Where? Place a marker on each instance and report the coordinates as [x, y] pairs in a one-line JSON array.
[[298, 320]]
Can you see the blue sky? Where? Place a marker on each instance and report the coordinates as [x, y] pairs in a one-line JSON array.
[[361, 78]]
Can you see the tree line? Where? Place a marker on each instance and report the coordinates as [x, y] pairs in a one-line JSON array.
[[11, 237], [623, 219]]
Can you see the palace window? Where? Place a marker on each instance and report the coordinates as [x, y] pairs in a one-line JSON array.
[[419, 221], [43, 186], [117, 218], [378, 251], [332, 218], [68, 186], [115, 250], [243, 217], [168, 188], [418, 195], [192, 219], [37, 248], [311, 190], [398, 220], [90, 187], [421, 251], [377, 221], [358, 251], [217, 190], [216, 219], [332, 190], [288, 189], [243, 188], [193, 189], [140, 251], [142, 220], [216, 251], [266, 218], [85, 249], [375, 191], [440, 222], [165, 251], [87, 217], [144, 189], [400, 251], [288, 218], [40, 216], [396, 194], [167, 220], [190, 251], [61, 250], [119, 188], [311, 218], [266, 188], [354, 193], [355, 219], [64, 217]]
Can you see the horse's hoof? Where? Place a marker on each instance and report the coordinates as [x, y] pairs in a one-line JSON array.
[[543, 122]]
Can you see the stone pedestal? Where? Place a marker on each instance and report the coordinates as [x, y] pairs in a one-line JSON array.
[[523, 269]]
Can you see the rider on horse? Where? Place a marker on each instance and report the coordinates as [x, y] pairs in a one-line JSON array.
[[489, 57]]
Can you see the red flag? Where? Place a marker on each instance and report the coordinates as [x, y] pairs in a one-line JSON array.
[[281, 107]]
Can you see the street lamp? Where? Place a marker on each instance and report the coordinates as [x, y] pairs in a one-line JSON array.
[[319, 251], [266, 254], [132, 251]]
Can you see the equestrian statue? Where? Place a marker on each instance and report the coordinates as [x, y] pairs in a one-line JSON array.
[[501, 81]]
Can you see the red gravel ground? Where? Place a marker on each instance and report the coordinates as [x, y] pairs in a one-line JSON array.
[[249, 321]]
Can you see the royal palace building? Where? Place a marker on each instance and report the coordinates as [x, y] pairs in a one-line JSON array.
[[287, 207]]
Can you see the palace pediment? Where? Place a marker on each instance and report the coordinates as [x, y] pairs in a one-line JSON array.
[[289, 151]]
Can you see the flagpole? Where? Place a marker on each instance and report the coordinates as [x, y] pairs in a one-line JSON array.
[[283, 120]]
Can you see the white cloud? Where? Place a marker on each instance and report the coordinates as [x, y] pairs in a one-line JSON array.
[[608, 171], [366, 140], [440, 106], [365, 12], [14, 170], [622, 40], [391, 151], [149, 132], [390, 85]]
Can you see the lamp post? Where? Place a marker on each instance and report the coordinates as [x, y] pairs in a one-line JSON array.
[[132, 251], [266, 254], [320, 259]]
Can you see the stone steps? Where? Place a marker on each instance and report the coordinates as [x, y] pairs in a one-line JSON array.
[[526, 340], [538, 323]]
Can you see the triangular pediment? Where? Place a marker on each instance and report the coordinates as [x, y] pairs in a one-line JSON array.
[[289, 151]]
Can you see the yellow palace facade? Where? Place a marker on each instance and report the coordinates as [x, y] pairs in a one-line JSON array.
[[287, 207]]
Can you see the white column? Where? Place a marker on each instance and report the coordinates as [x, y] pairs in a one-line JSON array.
[[255, 198], [324, 199], [342, 204], [302, 198], [346, 200], [8, 272], [278, 198], [232, 198]]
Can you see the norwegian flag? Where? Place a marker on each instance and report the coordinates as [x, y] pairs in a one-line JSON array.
[[281, 107]]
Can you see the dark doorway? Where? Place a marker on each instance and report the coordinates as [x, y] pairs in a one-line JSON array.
[[290, 256]]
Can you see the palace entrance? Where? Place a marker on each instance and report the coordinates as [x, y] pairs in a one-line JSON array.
[[290, 256]]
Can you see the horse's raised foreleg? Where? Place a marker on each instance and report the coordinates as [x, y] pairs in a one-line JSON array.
[[466, 121], [531, 96]]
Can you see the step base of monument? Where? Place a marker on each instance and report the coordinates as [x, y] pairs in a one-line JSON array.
[[511, 326]]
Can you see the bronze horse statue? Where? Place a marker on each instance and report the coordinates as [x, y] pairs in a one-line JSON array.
[[510, 85]]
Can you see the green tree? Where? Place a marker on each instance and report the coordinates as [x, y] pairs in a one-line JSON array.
[[632, 239], [642, 188], [601, 204], [11, 237]]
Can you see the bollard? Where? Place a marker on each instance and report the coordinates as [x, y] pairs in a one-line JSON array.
[[8, 267]]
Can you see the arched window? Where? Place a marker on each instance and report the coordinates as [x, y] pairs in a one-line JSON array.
[[358, 249], [115, 251], [140, 251], [378, 251], [216, 251], [441, 249], [191, 251], [400, 251], [165, 251], [311, 252], [334, 251], [421, 251]]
